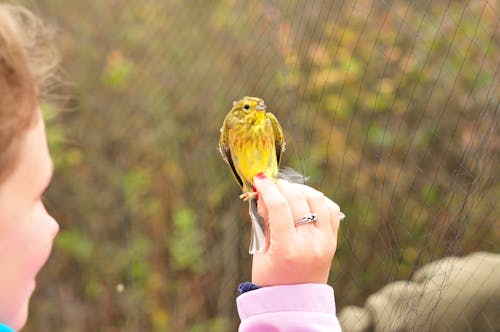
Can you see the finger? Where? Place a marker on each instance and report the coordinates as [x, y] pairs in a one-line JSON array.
[[317, 204], [262, 210], [296, 199], [278, 210], [335, 215]]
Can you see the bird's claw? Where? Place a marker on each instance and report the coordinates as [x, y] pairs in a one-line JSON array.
[[248, 195]]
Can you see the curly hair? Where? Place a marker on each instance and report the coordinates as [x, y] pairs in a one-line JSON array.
[[27, 66]]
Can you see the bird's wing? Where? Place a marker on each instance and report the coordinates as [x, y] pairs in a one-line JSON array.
[[225, 151], [279, 138]]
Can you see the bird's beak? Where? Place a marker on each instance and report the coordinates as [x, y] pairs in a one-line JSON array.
[[261, 107]]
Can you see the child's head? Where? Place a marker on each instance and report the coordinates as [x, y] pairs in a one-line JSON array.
[[26, 229], [26, 64]]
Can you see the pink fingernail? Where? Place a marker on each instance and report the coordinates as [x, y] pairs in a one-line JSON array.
[[255, 190]]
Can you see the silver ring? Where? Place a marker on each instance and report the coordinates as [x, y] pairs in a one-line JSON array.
[[310, 217]]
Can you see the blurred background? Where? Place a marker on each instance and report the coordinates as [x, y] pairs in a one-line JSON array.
[[391, 108]]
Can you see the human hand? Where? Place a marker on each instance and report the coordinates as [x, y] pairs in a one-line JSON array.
[[294, 254]]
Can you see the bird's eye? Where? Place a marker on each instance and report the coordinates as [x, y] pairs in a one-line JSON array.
[[246, 107]]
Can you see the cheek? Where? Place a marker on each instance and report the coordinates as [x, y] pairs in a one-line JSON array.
[[39, 236], [25, 245]]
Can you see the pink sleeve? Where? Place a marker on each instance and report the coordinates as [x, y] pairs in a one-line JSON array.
[[304, 307]]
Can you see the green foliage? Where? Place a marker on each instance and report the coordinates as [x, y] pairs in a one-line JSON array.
[[137, 183], [185, 242], [140, 267], [430, 194], [74, 244], [216, 324], [117, 71], [55, 135]]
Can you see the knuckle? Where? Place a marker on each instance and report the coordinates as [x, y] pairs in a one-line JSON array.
[[316, 196], [289, 255], [295, 195], [278, 203], [333, 206]]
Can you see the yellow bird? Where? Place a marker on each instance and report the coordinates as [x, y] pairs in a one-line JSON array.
[[251, 142]]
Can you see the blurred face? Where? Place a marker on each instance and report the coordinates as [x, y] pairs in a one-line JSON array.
[[26, 229]]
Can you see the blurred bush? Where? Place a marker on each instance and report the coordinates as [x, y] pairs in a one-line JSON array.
[[389, 106]]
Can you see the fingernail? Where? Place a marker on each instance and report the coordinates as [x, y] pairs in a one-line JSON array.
[[342, 216], [260, 176], [255, 190]]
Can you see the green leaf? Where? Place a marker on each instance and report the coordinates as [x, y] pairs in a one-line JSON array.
[[185, 244], [74, 244]]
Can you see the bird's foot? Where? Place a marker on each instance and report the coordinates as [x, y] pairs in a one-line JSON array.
[[248, 196]]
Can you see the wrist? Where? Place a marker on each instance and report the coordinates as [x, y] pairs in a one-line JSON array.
[[296, 298]]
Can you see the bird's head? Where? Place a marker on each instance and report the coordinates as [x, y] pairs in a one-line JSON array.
[[249, 104]]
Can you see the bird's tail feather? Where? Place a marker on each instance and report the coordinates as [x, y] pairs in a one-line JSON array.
[[291, 175], [258, 240]]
